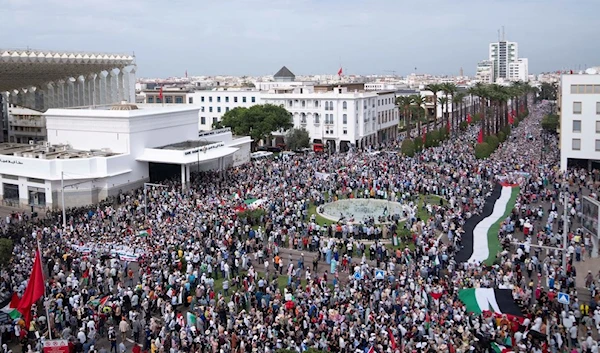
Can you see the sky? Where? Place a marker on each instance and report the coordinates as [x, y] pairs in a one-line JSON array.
[[257, 37]]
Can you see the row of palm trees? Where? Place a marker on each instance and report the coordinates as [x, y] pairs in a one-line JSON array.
[[492, 103]]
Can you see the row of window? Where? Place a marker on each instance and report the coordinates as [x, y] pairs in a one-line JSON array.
[[328, 118], [578, 108], [577, 126], [576, 145], [169, 99], [235, 99], [210, 109], [585, 89], [203, 120]]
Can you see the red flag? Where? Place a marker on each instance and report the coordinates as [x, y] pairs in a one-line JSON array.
[[14, 301], [511, 117], [392, 339], [448, 126], [34, 290], [86, 273], [424, 135], [480, 137], [469, 118], [160, 95], [340, 72], [436, 296]]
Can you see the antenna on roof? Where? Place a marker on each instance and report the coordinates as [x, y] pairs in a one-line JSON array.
[[503, 37], [499, 39]]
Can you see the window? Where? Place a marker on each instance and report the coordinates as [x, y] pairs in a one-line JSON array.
[[597, 145], [345, 132], [345, 119], [218, 99], [597, 107], [158, 100], [226, 109], [576, 125], [302, 118], [317, 118], [203, 120], [150, 99], [179, 100], [234, 99], [330, 105], [576, 144], [290, 103], [210, 99], [576, 107], [316, 104], [202, 99], [214, 120], [169, 99], [202, 109], [344, 105], [243, 99], [218, 109], [191, 100], [253, 99], [303, 104], [226, 99], [210, 109], [597, 127]]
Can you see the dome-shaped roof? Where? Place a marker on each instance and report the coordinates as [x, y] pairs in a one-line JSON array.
[[124, 106]]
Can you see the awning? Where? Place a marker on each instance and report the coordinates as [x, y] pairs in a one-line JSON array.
[[181, 157]]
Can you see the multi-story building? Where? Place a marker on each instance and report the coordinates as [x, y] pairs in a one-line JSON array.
[[579, 105], [485, 72], [503, 63], [340, 115], [25, 125]]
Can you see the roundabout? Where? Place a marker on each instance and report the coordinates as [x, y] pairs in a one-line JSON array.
[[363, 210]]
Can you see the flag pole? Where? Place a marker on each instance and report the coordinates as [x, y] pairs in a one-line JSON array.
[[45, 296]]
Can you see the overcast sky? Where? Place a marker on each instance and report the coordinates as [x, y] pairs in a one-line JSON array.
[[257, 37]]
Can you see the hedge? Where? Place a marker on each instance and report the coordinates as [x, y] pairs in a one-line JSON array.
[[418, 143], [493, 141], [408, 147], [483, 150], [501, 136]]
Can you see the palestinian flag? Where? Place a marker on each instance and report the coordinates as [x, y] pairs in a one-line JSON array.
[[498, 348], [145, 232], [497, 301], [11, 308], [480, 240], [191, 319], [98, 301]]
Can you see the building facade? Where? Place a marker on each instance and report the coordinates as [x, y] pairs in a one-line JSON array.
[[485, 72], [503, 64], [579, 105], [26, 125], [340, 116]]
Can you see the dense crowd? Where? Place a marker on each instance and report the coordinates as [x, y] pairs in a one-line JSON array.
[[191, 271]]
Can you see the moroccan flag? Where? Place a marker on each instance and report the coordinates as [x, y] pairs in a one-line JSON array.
[[480, 136], [469, 120], [448, 126], [160, 94], [145, 232], [392, 339], [480, 238], [340, 72], [511, 117], [497, 301], [34, 291], [436, 296]]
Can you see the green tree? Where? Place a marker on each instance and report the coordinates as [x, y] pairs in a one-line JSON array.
[[449, 90], [550, 123], [408, 147], [548, 91], [258, 121], [6, 249], [296, 139]]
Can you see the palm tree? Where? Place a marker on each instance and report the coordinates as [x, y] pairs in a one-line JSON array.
[[443, 102], [458, 100], [417, 101], [434, 88], [449, 89], [403, 103]]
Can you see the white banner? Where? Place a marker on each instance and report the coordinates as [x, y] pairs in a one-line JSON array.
[[320, 175]]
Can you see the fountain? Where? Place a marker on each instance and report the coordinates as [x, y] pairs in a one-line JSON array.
[[357, 210]]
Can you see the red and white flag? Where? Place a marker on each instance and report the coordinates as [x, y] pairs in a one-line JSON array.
[[340, 72]]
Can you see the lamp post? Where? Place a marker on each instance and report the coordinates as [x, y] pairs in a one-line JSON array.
[[62, 195]]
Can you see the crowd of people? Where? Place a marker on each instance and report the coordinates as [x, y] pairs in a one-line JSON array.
[[193, 271]]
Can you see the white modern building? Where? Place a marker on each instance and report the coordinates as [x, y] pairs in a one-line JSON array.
[[579, 104], [503, 64], [91, 154], [340, 115]]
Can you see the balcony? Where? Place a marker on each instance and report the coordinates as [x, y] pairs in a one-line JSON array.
[[27, 122]]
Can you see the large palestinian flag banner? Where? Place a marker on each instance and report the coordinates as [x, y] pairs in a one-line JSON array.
[[480, 239], [497, 301]]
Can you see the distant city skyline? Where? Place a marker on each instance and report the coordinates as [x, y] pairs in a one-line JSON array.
[[257, 37]]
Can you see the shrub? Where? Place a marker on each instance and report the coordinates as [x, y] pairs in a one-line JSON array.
[[476, 118], [493, 141], [252, 215], [408, 147], [418, 143], [501, 136], [442, 134], [431, 139], [482, 150], [6, 249], [550, 123], [463, 125]]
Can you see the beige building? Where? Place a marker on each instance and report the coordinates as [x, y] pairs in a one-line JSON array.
[[25, 125]]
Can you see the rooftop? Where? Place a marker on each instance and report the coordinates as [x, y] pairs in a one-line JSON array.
[[186, 145], [43, 150], [284, 72]]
